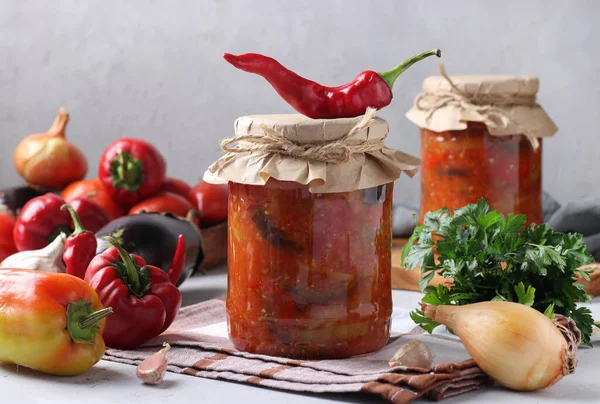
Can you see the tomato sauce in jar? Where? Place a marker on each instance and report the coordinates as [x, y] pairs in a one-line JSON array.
[[309, 234], [462, 166], [309, 273]]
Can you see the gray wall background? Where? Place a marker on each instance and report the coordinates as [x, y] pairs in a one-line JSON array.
[[153, 69]]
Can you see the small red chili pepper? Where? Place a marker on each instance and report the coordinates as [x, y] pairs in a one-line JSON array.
[[143, 297], [368, 89], [40, 221], [92, 216], [80, 247], [131, 170]]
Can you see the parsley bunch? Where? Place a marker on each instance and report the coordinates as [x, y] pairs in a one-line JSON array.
[[493, 257]]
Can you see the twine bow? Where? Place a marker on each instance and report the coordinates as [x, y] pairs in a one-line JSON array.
[[486, 105], [337, 151]]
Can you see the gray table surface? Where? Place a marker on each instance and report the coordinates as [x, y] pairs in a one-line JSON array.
[[109, 382]]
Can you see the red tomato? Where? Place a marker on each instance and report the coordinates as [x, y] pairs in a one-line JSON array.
[[7, 244], [94, 190], [212, 202], [165, 202], [179, 187]]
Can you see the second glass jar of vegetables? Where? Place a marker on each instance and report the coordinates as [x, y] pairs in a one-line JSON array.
[[481, 138], [309, 249]]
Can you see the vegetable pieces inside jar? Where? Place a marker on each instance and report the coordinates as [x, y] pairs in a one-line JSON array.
[[493, 257]]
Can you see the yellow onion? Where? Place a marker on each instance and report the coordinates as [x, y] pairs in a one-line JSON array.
[[514, 344], [48, 160]]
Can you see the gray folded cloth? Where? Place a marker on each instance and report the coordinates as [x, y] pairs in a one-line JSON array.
[[582, 216]]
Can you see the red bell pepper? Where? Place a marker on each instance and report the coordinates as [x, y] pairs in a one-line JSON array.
[[80, 247], [93, 217], [40, 221], [143, 297], [131, 170]]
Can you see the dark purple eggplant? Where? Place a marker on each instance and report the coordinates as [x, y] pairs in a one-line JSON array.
[[153, 236], [16, 197]]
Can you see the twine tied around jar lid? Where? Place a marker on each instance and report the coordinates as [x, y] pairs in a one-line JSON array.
[[337, 151], [484, 104]]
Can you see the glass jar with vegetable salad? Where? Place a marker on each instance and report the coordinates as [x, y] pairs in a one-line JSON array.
[[481, 138], [310, 207]]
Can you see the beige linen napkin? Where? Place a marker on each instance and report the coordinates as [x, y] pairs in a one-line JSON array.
[[200, 347]]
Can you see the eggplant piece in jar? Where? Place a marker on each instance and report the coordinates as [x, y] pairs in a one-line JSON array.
[[153, 236], [310, 332], [269, 231]]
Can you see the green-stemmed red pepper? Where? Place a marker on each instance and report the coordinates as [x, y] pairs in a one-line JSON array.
[[49, 322], [131, 170], [143, 297], [368, 89], [80, 247], [40, 221]]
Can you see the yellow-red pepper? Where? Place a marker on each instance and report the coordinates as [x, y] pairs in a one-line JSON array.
[[50, 322]]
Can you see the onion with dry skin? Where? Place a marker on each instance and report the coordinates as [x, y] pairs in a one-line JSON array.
[[514, 344], [48, 160]]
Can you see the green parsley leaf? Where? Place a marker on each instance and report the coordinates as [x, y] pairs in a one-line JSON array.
[[525, 296], [424, 322], [549, 312]]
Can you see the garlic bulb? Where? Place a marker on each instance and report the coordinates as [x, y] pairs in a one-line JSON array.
[[48, 259], [414, 354], [514, 344]]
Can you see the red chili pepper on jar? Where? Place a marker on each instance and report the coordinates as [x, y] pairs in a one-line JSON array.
[[40, 221], [131, 170], [368, 89], [80, 247], [143, 297]]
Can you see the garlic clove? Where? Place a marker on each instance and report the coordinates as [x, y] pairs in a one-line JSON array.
[[152, 369], [413, 354], [48, 259]]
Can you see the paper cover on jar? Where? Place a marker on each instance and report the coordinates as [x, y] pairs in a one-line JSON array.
[[505, 104], [328, 155]]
